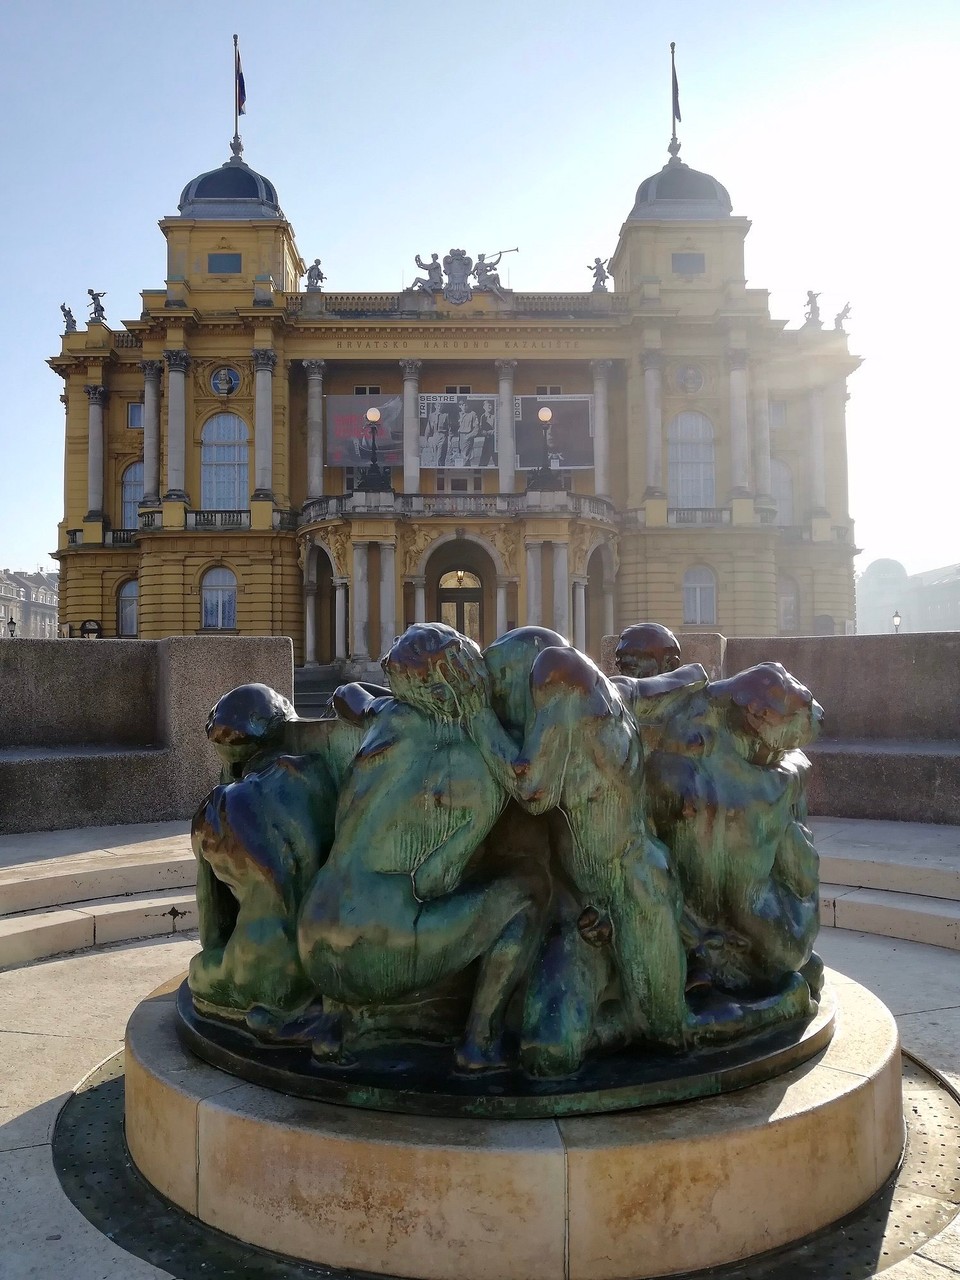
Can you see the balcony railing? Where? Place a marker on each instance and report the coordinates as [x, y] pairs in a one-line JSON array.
[[698, 515], [119, 537], [123, 339], [74, 537], [489, 505], [151, 519], [218, 520]]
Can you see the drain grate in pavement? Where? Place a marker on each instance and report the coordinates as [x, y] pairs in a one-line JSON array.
[[97, 1174]]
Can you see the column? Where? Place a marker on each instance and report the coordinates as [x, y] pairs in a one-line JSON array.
[[340, 619], [151, 431], [580, 614], [534, 583], [419, 599], [264, 360], [601, 428], [761, 434], [506, 438], [96, 399], [609, 626], [502, 584], [739, 424], [309, 624], [653, 413], [177, 364], [561, 589], [314, 370], [359, 603], [411, 425], [388, 596], [818, 473]]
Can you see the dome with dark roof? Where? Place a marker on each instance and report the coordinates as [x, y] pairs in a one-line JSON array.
[[680, 192], [232, 191]]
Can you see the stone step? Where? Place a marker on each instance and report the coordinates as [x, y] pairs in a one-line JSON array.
[[905, 857], [895, 780], [935, 921], [35, 935]]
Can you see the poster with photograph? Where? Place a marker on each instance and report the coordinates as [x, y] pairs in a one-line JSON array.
[[458, 431], [348, 432], [569, 435]]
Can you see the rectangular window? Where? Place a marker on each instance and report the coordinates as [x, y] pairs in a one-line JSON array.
[[135, 417], [551, 389], [689, 264], [366, 391], [223, 264], [778, 413], [457, 389]]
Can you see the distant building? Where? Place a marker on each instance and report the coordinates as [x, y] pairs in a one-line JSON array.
[[31, 599], [928, 601], [660, 450]]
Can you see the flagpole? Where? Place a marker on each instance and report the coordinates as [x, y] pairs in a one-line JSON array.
[[674, 147], [236, 92]]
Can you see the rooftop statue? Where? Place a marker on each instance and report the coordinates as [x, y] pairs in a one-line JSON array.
[[600, 274], [97, 312], [69, 323], [432, 282], [812, 313], [488, 278], [512, 858], [840, 317], [315, 276]]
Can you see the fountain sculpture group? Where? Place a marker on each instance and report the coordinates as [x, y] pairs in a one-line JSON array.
[[506, 875]]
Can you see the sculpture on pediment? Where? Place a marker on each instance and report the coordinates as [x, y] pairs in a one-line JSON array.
[[432, 282], [812, 313], [69, 323], [458, 268], [488, 278], [840, 317], [97, 312]]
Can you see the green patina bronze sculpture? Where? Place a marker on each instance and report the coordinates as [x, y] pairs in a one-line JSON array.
[[509, 861]]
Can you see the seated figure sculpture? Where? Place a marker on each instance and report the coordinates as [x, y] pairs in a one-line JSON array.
[[392, 911], [727, 796], [562, 863]]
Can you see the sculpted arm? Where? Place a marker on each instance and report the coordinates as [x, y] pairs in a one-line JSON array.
[[442, 869]]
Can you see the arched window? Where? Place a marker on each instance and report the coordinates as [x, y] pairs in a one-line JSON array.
[[131, 495], [223, 464], [690, 470], [128, 600], [699, 597], [781, 482], [787, 604], [218, 595]]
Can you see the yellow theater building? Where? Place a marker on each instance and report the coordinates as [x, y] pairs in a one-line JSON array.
[[258, 457]]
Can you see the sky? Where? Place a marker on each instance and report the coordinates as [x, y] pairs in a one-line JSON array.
[[397, 127]]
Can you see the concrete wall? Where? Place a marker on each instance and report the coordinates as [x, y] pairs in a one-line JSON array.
[[105, 731]]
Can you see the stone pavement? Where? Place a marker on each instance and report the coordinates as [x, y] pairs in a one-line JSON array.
[[60, 1017]]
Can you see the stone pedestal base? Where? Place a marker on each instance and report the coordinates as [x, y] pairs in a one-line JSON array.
[[633, 1194]]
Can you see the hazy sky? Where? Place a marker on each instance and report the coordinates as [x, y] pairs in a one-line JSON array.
[[396, 127]]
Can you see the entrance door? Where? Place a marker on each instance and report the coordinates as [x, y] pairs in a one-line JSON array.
[[461, 603]]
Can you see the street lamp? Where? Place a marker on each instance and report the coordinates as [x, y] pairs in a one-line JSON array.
[[896, 621], [545, 478], [12, 626], [374, 478]]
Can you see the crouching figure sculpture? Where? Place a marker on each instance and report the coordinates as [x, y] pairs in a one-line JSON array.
[[511, 862]]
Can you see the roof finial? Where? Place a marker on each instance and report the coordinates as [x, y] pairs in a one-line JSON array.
[[674, 147], [239, 101]]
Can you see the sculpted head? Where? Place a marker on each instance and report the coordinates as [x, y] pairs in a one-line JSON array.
[[510, 660], [648, 649], [437, 670], [246, 720], [771, 706]]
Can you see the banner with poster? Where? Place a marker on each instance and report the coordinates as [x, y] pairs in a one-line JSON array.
[[348, 432], [458, 431], [569, 443]]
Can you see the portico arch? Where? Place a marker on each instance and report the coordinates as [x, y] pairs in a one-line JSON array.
[[319, 624], [479, 563]]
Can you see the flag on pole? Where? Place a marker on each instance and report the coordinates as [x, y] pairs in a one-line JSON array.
[[676, 87], [241, 88]]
